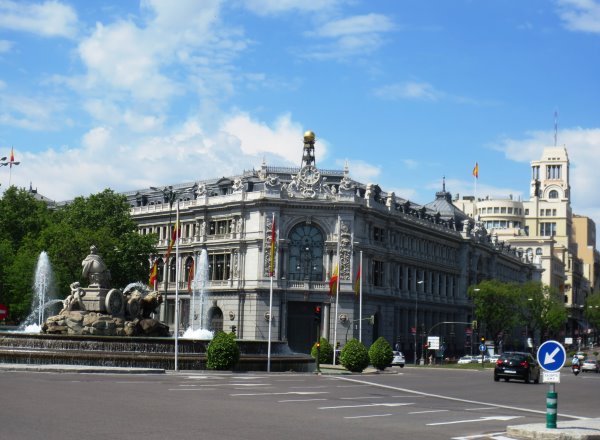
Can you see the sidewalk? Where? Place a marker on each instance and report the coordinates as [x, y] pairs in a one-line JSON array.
[[569, 430]]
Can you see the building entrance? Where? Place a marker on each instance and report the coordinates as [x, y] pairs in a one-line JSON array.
[[301, 326]]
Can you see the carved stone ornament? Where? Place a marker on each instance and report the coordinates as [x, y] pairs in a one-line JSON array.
[[345, 251], [267, 248], [238, 186], [308, 184]]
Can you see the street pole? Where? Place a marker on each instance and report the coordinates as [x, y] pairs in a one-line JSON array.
[[416, 317]]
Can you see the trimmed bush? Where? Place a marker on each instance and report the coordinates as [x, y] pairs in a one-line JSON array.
[[326, 354], [380, 353], [222, 352], [354, 356]]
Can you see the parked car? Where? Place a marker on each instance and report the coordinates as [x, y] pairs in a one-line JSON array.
[[493, 358], [467, 360], [398, 359], [590, 364], [517, 365]]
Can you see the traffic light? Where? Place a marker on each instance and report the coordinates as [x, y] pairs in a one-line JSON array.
[[482, 339], [317, 313], [318, 345], [474, 324]]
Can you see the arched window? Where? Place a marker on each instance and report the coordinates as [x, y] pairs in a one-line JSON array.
[[172, 268], [215, 319], [553, 194], [538, 251], [160, 269], [306, 253]]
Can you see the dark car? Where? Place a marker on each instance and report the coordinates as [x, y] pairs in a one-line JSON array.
[[517, 365]]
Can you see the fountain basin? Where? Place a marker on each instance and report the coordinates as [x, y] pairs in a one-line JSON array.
[[141, 352]]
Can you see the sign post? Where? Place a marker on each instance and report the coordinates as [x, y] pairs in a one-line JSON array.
[[551, 356]]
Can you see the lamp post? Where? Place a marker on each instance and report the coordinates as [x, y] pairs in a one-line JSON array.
[[473, 319], [169, 196], [10, 162], [416, 317]]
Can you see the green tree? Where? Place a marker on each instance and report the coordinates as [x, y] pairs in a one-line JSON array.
[[354, 356], [542, 308], [380, 353], [497, 305], [592, 309]]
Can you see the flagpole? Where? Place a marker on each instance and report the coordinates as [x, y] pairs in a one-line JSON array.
[[360, 297], [337, 291], [177, 287], [271, 273]]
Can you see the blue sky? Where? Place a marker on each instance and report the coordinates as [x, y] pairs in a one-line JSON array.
[[128, 94]]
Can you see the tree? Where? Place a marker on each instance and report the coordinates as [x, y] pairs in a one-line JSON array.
[[497, 305], [542, 309], [592, 309]]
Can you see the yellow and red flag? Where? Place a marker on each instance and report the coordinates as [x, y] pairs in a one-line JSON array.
[[357, 282], [153, 274], [476, 170], [273, 246], [175, 234], [190, 276], [333, 281]]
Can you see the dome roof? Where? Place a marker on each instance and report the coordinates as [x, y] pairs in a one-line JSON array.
[[443, 205]]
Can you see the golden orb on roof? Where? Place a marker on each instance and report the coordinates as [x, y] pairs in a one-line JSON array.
[[309, 136]]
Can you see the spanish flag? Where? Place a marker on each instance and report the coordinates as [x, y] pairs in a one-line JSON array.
[[273, 246], [153, 274], [333, 281], [175, 233], [190, 276], [357, 282], [476, 171]]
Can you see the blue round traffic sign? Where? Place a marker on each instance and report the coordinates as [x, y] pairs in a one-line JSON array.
[[551, 356], [482, 348]]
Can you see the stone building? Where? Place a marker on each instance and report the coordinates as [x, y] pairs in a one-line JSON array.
[[547, 232], [417, 261]]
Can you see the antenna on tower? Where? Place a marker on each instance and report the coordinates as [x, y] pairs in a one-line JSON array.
[[555, 126]]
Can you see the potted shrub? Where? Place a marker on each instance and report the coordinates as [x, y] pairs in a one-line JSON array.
[[354, 356], [222, 352], [380, 354]]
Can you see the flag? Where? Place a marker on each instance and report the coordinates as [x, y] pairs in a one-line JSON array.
[[190, 276], [476, 171], [175, 233], [12, 155], [333, 281], [153, 274], [273, 245], [357, 282]]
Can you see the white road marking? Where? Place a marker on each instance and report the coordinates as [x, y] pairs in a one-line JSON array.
[[360, 398], [493, 435], [365, 417], [454, 399], [300, 393], [298, 400], [478, 409], [481, 419], [192, 389], [366, 406], [430, 411]]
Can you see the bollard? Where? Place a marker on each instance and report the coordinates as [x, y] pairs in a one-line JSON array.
[[551, 408]]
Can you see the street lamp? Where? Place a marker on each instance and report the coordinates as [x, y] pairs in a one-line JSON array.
[[169, 196], [416, 319]]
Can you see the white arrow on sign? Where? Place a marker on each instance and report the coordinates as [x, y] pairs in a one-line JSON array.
[[482, 419], [549, 357]]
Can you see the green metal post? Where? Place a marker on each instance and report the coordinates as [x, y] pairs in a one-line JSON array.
[[551, 407]]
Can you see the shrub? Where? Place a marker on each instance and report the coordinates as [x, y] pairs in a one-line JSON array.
[[326, 353], [354, 356], [222, 352], [380, 353]]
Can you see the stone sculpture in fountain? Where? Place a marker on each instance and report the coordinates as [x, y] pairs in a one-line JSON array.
[[101, 310]]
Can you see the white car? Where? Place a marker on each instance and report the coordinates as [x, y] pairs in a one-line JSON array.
[[398, 359], [467, 360]]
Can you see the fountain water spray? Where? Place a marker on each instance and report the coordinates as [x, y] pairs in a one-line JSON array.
[[198, 300], [42, 290]]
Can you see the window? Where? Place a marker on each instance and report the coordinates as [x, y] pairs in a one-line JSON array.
[[527, 212], [538, 251], [547, 229], [496, 210], [503, 210], [510, 210], [378, 234], [553, 194], [541, 212], [219, 266], [189, 269], [306, 253], [378, 273], [554, 213], [220, 227]]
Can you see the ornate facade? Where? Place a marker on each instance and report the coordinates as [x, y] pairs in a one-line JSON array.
[[418, 261]]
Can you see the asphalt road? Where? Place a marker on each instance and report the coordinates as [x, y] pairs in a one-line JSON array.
[[408, 403]]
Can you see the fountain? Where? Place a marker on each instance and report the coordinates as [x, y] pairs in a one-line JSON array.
[[103, 326], [198, 301], [43, 288]]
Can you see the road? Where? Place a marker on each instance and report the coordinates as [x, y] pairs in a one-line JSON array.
[[409, 403]]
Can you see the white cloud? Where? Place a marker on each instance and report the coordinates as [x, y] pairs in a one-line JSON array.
[[361, 171], [5, 46], [409, 90], [49, 19], [580, 15], [32, 113], [108, 158], [583, 148], [349, 37], [268, 7]]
